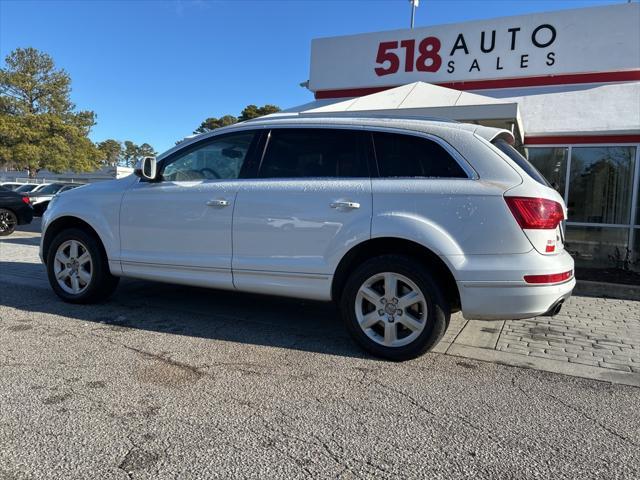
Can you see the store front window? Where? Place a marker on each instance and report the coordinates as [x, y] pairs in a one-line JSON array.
[[600, 184], [597, 247], [600, 231]]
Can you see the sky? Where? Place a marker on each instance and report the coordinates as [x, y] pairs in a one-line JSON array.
[[152, 70]]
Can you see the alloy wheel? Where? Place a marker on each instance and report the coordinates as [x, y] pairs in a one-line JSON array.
[[8, 221], [73, 267], [390, 309]]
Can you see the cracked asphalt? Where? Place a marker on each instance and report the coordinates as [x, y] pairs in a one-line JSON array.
[[171, 382]]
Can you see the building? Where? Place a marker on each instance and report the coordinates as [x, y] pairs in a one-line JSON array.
[[566, 83], [45, 176]]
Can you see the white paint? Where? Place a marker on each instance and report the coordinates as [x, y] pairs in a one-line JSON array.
[[283, 237], [601, 39]]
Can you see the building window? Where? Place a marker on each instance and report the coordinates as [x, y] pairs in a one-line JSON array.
[[552, 163], [597, 247], [600, 184]]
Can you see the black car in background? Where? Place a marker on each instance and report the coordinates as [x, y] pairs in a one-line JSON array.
[[15, 209]]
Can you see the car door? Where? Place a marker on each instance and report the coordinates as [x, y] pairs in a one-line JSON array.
[[179, 227], [310, 203]]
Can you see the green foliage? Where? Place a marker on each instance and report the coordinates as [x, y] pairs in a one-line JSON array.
[[39, 125], [44, 141], [252, 111], [249, 112], [212, 123], [110, 152], [114, 152], [132, 152]]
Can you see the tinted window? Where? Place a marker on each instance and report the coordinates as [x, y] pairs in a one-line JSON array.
[[522, 162], [50, 189], [307, 152], [220, 158], [552, 163], [410, 156], [26, 188]]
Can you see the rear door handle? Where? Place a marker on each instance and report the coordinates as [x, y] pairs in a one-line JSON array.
[[350, 205], [218, 203]]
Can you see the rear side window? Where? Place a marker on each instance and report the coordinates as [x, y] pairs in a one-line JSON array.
[[311, 152], [522, 162], [410, 156]]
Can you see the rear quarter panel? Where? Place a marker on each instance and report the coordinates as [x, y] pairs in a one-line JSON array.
[[448, 216]]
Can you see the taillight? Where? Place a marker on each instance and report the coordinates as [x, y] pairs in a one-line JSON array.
[[26, 199], [535, 213], [551, 278]]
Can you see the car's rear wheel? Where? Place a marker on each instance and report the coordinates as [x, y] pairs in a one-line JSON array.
[[394, 308], [77, 268], [8, 222]]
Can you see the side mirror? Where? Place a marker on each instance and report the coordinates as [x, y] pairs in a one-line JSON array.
[[146, 168]]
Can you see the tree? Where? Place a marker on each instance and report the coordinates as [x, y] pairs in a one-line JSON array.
[[127, 153], [110, 152], [252, 111], [249, 112], [213, 123], [132, 152], [39, 125]]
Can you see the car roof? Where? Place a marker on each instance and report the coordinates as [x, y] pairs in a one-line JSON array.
[[435, 126]]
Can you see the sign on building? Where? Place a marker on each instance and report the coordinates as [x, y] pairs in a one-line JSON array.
[[584, 41]]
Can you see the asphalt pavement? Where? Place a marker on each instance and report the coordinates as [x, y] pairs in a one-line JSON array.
[[166, 382]]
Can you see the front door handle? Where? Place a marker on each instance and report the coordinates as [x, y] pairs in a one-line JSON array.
[[218, 203], [350, 205]]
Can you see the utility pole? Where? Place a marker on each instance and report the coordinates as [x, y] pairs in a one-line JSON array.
[[414, 4]]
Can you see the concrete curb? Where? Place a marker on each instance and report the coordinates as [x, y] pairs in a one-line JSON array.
[[544, 364], [607, 290]]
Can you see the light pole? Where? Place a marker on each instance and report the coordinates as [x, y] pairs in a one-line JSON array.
[[414, 4]]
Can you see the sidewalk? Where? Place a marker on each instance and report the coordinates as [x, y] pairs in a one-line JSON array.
[[592, 337]]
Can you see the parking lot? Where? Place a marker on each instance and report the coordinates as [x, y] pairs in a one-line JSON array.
[[166, 381]]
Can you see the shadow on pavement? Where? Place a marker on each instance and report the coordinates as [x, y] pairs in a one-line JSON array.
[[195, 312], [31, 241]]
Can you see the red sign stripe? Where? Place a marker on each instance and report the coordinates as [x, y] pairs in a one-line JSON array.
[[578, 139], [568, 79]]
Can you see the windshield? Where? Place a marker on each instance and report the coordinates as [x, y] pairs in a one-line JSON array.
[[26, 188], [522, 162]]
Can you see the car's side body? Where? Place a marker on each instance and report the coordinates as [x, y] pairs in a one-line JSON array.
[[294, 236]]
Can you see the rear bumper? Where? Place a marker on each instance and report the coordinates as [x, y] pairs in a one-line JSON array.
[[507, 302], [25, 215], [492, 287]]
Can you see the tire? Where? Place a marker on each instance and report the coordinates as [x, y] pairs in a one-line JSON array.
[[418, 326], [8, 222], [92, 276]]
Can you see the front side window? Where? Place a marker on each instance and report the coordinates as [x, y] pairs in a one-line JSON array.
[[313, 153], [219, 159], [410, 156]]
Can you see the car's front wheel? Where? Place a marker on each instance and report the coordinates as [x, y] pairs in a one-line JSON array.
[[77, 268], [8, 222], [394, 307]]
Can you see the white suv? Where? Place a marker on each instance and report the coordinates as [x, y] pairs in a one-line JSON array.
[[401, 222]]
